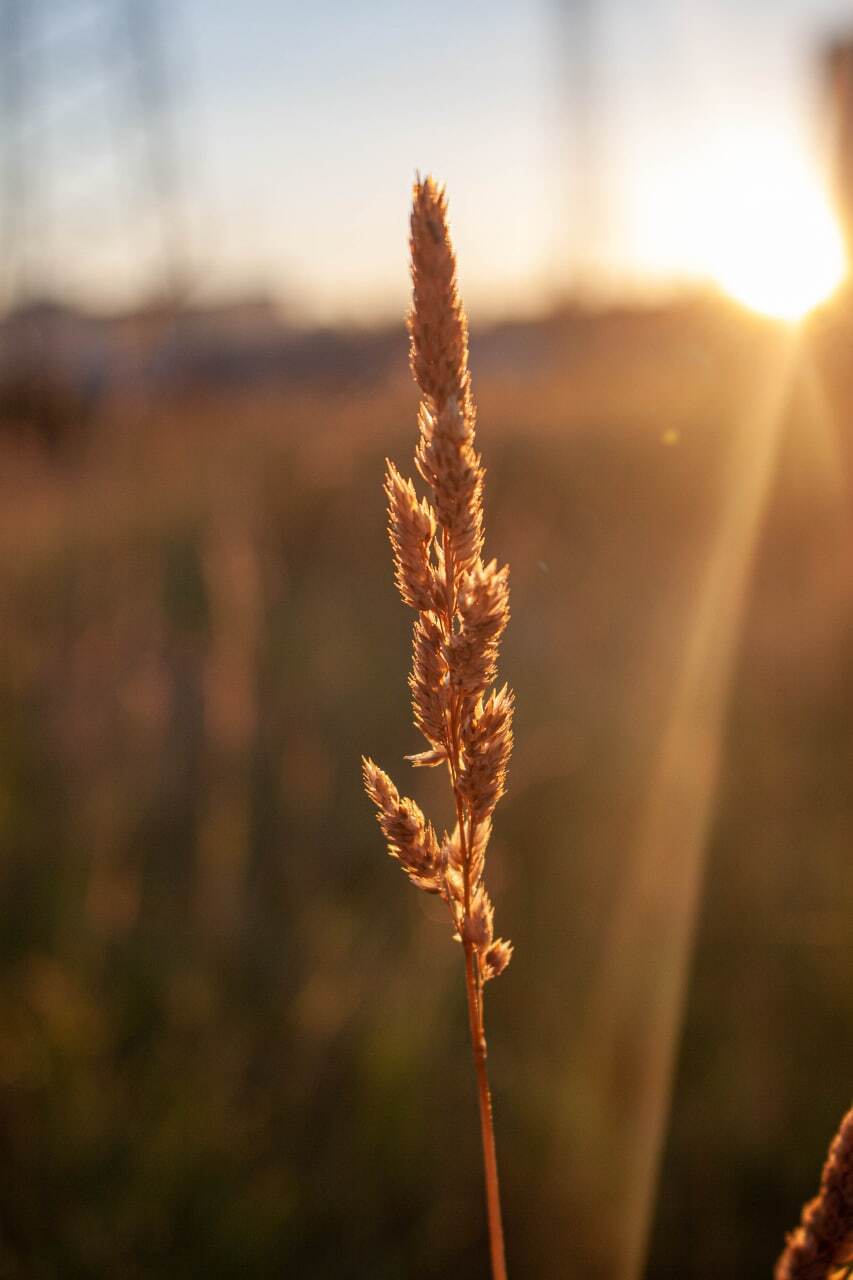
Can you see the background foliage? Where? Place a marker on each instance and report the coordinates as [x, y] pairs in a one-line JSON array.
[[231, 1042]]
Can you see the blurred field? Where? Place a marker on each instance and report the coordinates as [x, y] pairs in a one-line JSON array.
[[231, 1042]]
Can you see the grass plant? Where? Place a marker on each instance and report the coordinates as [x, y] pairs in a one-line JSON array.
[[821, 1248], [461, 604]]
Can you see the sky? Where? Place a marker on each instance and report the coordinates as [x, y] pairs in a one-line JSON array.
[[298, 128]]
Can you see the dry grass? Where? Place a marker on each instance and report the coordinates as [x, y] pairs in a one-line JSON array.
[[273, 1086], [822, 1242], [462, 606]]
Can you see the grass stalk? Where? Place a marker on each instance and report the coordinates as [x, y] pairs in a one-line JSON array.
[[462, 608]]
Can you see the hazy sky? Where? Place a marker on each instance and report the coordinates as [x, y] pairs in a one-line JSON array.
[[300, 127]]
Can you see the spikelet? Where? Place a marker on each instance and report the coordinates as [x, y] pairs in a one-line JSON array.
[[476, 850], [483, 609], [447, 461], [430, 684], [462, 604], [411, 528], [824, 1238], [411, 839], [488, 744], [496, 959]]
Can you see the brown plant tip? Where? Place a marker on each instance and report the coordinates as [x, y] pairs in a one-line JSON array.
[[825, 1234], [437, 324]]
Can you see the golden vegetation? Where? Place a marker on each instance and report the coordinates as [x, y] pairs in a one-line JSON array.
[[824, 1239], [463, 610]]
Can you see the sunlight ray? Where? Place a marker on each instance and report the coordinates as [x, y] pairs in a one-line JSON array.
[[631, 1036], [826, 445]]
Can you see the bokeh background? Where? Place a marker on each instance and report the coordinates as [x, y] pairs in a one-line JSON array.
[[232, 1039]]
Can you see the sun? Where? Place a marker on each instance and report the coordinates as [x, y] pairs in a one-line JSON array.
[[747, 210], [774, 243]]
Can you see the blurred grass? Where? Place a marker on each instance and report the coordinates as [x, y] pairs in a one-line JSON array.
[[231, 1042]]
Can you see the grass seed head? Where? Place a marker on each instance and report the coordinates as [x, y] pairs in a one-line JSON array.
[[437, 324], [462, 603]]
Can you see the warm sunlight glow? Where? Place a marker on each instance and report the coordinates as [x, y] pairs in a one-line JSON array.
[[773, 240], [777, 249], [748, 210]]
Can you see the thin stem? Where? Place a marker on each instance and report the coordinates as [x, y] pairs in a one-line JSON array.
[[487, 1130]]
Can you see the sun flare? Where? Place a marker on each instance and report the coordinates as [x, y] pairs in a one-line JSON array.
[[749, 211], [777, 248], [774, 242]]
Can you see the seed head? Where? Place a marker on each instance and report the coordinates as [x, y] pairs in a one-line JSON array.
[[437, 324], [462, 604]]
